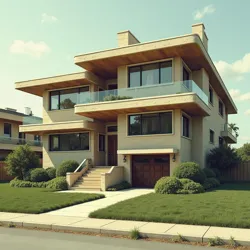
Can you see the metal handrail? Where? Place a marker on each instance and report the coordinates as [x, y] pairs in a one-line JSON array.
[[80, 165]]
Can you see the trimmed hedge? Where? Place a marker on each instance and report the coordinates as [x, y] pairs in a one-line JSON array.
[[58, 183], [120, 186], [190, 170], [209, 173], [51, 172], [38, 175], [193, 188], [211, 183], [65, 167], [168, 185]]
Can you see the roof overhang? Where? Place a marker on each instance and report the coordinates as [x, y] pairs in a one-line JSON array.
[[11, 117], [147, 151], [38, 86], [189, 47]]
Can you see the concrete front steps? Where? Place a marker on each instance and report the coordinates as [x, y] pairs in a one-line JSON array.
[[91, 180]]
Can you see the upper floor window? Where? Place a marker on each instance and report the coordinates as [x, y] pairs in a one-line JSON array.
[[37, 138], [7, 129], [211, 95], [186, 75], [221, 108], [67, 98], [211, 136], [149, 74], [152, 123], [185, 126]]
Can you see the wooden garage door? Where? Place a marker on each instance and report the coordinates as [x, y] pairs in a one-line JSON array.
[[148, 169]]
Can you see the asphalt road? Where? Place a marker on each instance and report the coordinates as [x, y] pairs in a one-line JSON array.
[[21, 239]]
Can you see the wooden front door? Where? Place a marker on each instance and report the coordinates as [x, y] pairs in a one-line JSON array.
[[112, 150]]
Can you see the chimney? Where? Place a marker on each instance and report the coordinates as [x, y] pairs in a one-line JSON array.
[[199, 29], [27, 111], [10, 109], [126, 38]]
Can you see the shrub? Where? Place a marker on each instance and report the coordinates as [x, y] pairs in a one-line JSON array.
[[58, 183], [115, 97], [120, 186], [222, 158], [190, 170], [193, 188], [168, 185], [65, 167], [51, 172], [135, 234], [184, 181], [211, 183], [209, 172], [217, 173], [38, 175], [20, 161]]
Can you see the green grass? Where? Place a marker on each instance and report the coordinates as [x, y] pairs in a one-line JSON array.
[[38, 200], [227, 206]]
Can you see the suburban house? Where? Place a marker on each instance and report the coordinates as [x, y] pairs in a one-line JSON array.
[[10, 135], [137, 110]]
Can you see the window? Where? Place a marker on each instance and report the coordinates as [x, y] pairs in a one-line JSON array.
[[69, 142], [221, 141], [211, 136], [68, 98], [37, 138], [21, 137], [211, 96], [221, 108], [112, 128], [150, 74], [185, 126], [7, 129], [185, 74], [101, 142], [153, 123]]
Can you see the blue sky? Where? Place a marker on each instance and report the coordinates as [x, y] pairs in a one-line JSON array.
[[40, 38]]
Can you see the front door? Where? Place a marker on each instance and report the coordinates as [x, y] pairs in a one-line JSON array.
[[112, 150]]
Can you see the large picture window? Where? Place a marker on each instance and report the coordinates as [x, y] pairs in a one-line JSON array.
[[67, 98], [150, 74], [153, 123], [69, 142]]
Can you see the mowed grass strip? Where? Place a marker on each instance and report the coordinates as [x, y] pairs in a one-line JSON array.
[[38, 200], [228, 206]]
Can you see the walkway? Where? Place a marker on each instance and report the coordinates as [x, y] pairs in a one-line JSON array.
[[83, 210]]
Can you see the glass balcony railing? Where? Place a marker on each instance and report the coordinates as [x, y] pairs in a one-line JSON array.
[[32, 120], [227, 128], [19, 141], [145, 91]]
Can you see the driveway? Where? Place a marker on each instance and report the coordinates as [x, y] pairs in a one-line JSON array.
[[83, 210]]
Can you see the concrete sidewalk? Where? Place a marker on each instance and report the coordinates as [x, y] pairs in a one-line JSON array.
[[119, 227]]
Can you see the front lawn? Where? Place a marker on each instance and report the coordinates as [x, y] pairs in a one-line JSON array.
[[227, 206], [38, 200]]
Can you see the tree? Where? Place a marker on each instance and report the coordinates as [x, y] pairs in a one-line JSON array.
[[244, 152], [20, 161], [67, 103], [234, 128]]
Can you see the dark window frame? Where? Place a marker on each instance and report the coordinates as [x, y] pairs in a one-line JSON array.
[[59, 142], [10, 129], [100, 149], [221, 108], [112, 126], [159, 117], [211, 133], [59, 96], [211, 95], [159, 68], [184, 117]]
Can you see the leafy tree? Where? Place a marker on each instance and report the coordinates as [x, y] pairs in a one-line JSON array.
[[20, 161], [233, 127], [67, 103], [223, 157], [244, 152]]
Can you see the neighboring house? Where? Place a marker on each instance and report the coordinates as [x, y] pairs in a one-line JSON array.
[[144, 106], [11, 137]]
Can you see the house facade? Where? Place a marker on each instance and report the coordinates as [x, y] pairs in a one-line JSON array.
[[145, 107]]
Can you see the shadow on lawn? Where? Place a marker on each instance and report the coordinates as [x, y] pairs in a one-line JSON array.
[[234, 186]]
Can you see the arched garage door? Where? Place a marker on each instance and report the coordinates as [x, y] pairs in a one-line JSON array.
[[148, 169]]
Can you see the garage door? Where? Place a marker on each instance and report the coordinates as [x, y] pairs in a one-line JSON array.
[[148, 169]]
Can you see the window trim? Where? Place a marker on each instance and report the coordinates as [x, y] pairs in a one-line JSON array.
[[142, 113], [189, 123], [59, 140], [59, 95], [148, 63], [211, 130], [101, 134]]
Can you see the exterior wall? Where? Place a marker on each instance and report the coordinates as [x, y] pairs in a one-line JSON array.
[[14, 128]]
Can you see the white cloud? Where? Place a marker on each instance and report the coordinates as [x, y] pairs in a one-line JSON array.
[[48, 19], [247, 112], [244, 138], [235, 70], [236, 95], [29, 48], [199, 14]]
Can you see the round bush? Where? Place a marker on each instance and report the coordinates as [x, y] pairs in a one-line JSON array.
[[209, 172], [193, 188], [65, 167], [184, 181], [211, 183], [38, 175], [217, 172], [59, 183], [167, 185], [51, 172], [190, 170]]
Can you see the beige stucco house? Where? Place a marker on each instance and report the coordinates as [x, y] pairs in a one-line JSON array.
[[144, 107], [10, 135]]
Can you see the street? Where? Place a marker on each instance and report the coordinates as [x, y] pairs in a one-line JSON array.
[[13, 238]]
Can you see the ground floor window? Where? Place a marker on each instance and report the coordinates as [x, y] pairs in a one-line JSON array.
[[211, 136], [101, 142], [221, 141], [69, 142]]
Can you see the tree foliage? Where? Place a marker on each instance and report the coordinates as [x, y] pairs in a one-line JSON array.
[[244, 152]]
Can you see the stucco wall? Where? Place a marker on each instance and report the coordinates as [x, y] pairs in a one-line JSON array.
[[14, 128]]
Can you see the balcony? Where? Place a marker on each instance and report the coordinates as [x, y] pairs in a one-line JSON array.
[[106, 105], [228, 134], [10, 143]]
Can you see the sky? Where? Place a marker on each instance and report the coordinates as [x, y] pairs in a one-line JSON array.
[[40, 38]]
